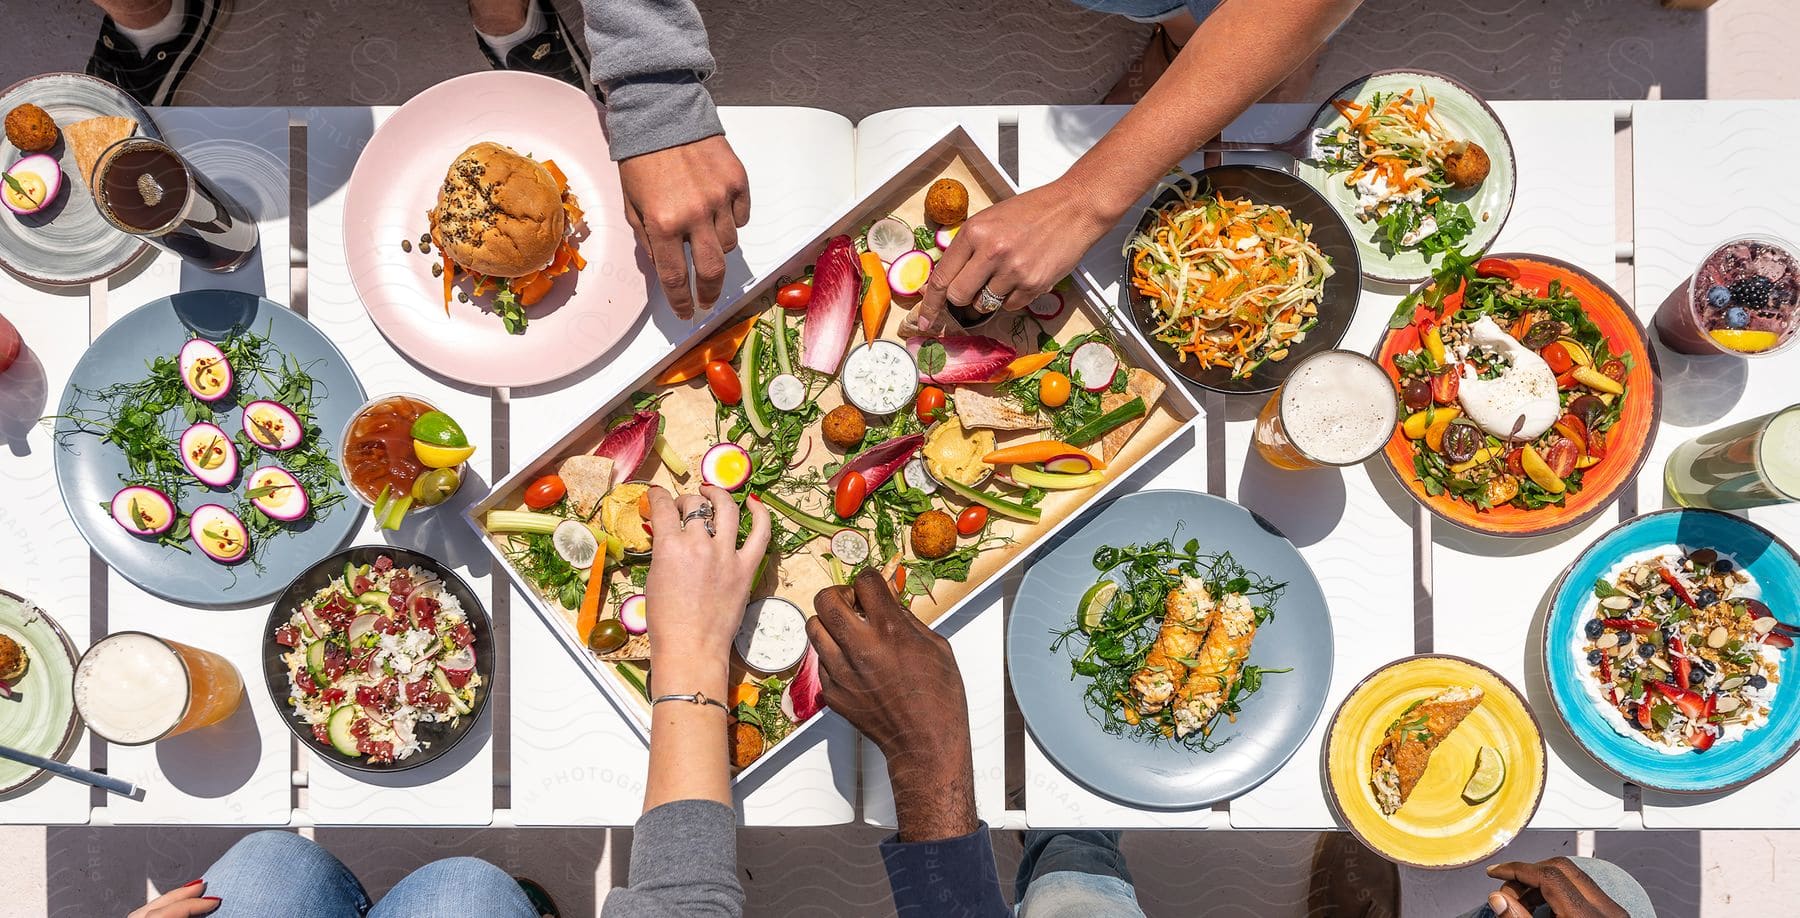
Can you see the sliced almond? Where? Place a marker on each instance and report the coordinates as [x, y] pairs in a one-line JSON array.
[[1764, 625], [1618, 602], [1717, 637], [1726, 703], [1609, 639], [1732, 684], [1661, 663], [1623, 650]]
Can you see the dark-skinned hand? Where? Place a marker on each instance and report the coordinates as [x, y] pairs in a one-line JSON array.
[[896, 681], [1557, 882]]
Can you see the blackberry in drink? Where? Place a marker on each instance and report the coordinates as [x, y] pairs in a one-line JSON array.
[[1744, 299], [143, 187]]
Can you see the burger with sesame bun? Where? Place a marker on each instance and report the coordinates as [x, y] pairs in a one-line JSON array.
[[509, 223]]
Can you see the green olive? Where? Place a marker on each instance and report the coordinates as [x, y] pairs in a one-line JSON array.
[[435, 487], [608, 636]]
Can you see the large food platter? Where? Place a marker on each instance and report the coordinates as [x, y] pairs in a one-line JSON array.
[[690, 418]]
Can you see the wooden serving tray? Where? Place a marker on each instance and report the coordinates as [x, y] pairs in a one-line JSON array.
[[688, 410]]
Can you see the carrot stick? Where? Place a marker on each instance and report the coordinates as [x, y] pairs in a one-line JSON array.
[[1022, 367], [876, 302], [449, 280], [590, 598], [721, 346], [1037, 451]]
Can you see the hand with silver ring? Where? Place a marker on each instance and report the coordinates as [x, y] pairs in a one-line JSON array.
[[988, 301], [698, 584]]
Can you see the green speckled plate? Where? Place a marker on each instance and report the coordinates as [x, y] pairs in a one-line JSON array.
[[40, 715], [1464, 115]]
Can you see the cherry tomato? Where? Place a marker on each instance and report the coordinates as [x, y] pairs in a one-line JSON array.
[[1515, 461], [1496, 267], [1557, 357], [971, 520], [1596, 444], [545, 492], [851, 489], [1613, 370], [724, 382], [1445, 385], [1053, 390], [930, 402], [794, 296], [1561, 456]]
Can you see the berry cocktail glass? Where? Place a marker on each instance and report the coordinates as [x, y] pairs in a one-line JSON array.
[[1743, 300]]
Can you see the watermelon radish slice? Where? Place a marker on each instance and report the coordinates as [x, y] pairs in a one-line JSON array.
[[889, 238], [283, 497], [143, 511], [209, 454], [909, 272], [1094, 365], [632, 613], [205, 370], [272, 426], [219, 534], [1047, 307]]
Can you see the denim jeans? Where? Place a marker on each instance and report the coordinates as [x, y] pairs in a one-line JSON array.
[[280, 873], [1151, 10], [1075, 875]]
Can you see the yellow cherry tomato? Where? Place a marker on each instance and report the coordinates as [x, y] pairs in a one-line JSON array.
[[1053, 389]]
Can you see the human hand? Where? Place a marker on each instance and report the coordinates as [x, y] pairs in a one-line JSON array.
[[1558, 882], [179, 903], [699, 583], [695, 193], [896, 681], [1017, 249]]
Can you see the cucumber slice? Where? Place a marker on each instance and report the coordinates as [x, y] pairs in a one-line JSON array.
[[397, 512], [315, 663], [351, 572], [338, 728], [376, 599], [379, 511], [998, 505]]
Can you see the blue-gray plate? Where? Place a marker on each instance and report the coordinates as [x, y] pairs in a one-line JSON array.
[[68, 242], [88, 470], [1164, 775]]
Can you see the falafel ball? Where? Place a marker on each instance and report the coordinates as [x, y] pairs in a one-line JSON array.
[[13, 659], [1467, 167], [746, 744], [844, 426], [946, 202], [31, 129], [933, 534]]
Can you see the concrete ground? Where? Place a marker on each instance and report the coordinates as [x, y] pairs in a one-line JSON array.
[[857, 59]]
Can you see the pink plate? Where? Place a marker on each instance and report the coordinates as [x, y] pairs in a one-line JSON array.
[[395, 183]]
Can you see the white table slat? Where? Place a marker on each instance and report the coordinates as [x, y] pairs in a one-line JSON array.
[[1564, 208], [52, 572], [237, 772], [458, 788], [574, 757], [1704, 172]]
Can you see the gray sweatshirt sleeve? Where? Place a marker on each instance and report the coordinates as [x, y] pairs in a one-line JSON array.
[[683, 865], [650, 58]]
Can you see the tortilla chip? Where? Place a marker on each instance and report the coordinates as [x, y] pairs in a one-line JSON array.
[[1139, 383], [979, 410], [588, 478], [90, 137]]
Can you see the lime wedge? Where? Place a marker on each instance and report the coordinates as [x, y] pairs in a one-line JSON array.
[[1094, 604], [1490, 773]]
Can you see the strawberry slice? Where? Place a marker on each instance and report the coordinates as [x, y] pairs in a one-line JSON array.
[[1633, 625], [1691, 705], [1675, 580], [1702, 739], [1684, 668], [1643, 714], [1777, 639]]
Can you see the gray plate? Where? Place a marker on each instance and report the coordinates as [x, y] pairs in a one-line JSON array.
[[1163, 775], [69, 243], [87, 470]]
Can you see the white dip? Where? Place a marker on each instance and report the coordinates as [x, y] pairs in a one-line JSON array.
[[773, 635], [879, 377]]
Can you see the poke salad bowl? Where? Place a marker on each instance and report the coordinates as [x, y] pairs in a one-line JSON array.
[[1729, 764], [435, 739], [1627, 442], [1337, 305]]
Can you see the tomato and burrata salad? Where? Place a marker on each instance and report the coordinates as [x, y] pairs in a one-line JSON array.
[[1511, 393]]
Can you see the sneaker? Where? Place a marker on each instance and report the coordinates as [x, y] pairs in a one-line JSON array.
[[540, 899], [552, 52], [152, 78]]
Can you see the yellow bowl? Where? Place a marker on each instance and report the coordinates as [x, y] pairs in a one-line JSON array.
[[1436, 829]]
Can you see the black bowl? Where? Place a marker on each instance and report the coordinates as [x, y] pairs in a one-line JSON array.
[[1336, 308], [435, 739]]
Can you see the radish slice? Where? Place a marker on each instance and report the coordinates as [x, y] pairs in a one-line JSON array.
[[850, 547], [786, 392], [1094, 365], [359, 626], [142, 511], [890, 238], [915, 476], [946, 234], [909, 272], [1069, 465], [633, 613], [1048, 306], [461, 661]]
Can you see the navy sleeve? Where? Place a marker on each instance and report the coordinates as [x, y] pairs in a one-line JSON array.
[[951, 878]]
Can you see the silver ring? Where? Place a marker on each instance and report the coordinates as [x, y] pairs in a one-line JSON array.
[[703, 513], [988, 301]]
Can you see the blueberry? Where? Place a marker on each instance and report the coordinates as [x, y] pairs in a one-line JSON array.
[[1719, 297], [1631, 714], [1759, 681], [1706, 597], [1737, 317], [1594, 656], [1723, 566], [1703, 667], [1646, 650], [1751, 292], [1595, 628]]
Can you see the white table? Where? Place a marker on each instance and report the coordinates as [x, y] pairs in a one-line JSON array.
[[553, 751]]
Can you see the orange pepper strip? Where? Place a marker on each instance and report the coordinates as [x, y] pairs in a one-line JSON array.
[[746, 693], [590, 599], [449, 280], [876, 302], [1037, 451], [721, 346], [1022, 367]]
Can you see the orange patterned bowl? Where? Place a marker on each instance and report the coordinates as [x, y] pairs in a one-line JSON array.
[[1628, 442]]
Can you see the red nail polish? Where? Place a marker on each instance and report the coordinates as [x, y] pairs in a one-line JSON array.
[[193, 883], [211, 899], [755, 498]]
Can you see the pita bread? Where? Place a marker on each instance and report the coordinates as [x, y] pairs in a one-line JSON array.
[[978, 410], [90, 137], [1140, 383], [588, 478]]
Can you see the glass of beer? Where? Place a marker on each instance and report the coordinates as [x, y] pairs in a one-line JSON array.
[[145, 188], [134, 688], [1337, 408], [1752, 463]]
